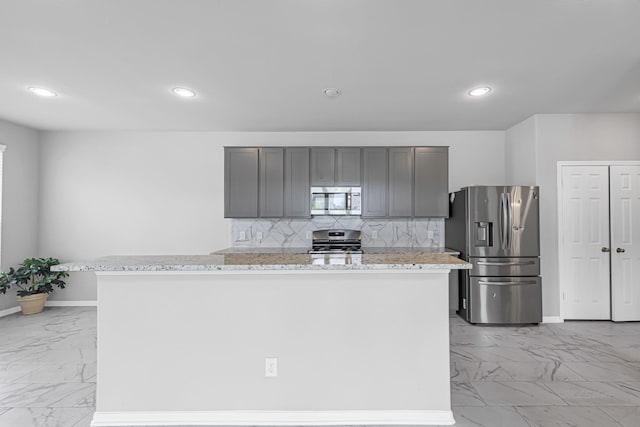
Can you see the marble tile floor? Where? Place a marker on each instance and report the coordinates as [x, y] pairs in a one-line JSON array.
[[572, 374], [48, 368], [579, 374]]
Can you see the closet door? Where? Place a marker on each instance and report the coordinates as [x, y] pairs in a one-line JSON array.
[[585, 262], [625, 243]]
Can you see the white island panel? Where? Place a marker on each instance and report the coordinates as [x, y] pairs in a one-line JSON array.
[[353, 347]]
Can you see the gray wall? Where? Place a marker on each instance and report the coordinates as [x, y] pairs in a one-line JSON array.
[[133, 192], [162, 192], [562, 137], [520, 153], [19, 198], [565, 137]]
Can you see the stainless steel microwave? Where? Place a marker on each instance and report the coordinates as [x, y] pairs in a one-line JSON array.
[[335, 200]]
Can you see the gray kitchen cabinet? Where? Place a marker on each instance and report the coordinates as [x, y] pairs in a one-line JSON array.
[[240, 182], [323, 162], [271, 195], [400, 182], [335, 167], [431, 182], [374, 182], [296, 183], [347, 167], [274, 182]]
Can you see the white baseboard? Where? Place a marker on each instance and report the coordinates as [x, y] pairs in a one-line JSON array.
[[271, 418], [71, 303], [8, 311], [16, 309], [552, 319]]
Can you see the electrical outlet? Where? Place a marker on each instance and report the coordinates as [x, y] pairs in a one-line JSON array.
[[430, 234], [374, 234], [271, 367], [242, 235], [259, 235], [308, 234]]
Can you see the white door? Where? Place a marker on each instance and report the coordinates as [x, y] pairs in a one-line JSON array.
[[625, 243], [584, 260]]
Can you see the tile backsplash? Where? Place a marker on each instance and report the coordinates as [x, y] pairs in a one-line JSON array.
[[266, 233]]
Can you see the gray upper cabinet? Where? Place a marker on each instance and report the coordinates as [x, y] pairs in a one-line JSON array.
[[400, 182], [274, 182], [296, 183], [271, 194], [323, 161], [240, 182], [431, 182], [374, 182], [335, 167], [348, 166]]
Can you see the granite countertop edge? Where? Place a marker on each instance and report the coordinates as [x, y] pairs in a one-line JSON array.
[[366, 250], [282, 267], [264, 262]]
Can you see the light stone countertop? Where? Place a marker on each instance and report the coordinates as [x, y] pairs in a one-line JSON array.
[[253, 250], [269, 261], [368, 250], [413, 250]]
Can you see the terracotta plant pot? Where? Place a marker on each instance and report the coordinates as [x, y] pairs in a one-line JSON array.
[[32, 304]]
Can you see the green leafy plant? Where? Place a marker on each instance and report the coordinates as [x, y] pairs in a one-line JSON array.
[[33, 276]]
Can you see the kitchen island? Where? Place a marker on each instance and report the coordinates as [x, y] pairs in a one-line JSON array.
[[273, 339]]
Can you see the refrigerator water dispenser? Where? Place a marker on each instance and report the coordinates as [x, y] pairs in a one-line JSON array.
[[483, 234]]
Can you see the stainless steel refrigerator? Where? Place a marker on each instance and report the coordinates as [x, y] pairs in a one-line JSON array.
[[497, 229]]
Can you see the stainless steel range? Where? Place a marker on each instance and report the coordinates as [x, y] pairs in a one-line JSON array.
[[336, 242]]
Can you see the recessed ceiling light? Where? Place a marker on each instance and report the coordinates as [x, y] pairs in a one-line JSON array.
[[332, 92], [479, 91], [42, 91], [184, 92]]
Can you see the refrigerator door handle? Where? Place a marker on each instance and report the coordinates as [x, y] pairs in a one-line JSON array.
[[510, 220], [506, 263], [484, 282], [504, 229]]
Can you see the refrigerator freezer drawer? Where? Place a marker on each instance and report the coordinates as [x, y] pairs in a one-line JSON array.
[[507, 300], [505, 266]]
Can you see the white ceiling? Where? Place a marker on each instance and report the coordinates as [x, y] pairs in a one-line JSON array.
[[262, 65]]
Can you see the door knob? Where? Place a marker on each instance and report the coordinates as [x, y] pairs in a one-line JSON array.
[[604, 249], [620, 250]]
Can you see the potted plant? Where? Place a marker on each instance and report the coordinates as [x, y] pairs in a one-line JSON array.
[[35, 281]]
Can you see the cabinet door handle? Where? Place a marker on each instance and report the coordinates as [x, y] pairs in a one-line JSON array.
[[604, 249], [620, 250]]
